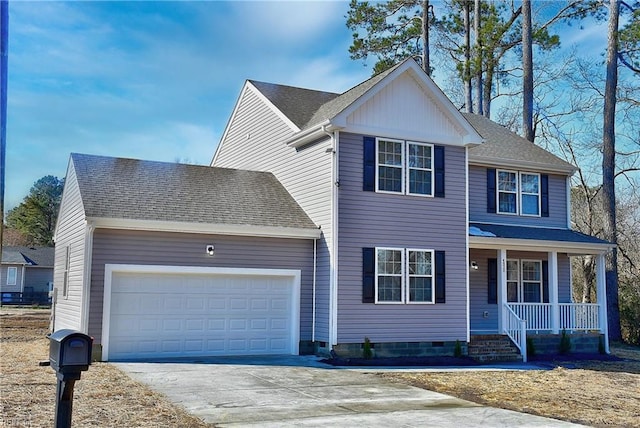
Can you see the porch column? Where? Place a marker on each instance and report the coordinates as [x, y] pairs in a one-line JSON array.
[[601, 290], [502, 289], [552, 260]]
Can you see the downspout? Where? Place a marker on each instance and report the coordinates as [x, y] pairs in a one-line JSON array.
[[24, 270], [333, 294], [313, 304], [467, 255]]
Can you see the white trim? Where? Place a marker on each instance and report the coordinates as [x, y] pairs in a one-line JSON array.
[[309, 135], [520, 164], [521, 193], [516, 192], [401, 276], [204, 228], [572, 248], [110, 269], [601, 290], [470, 135], [522, 280], [401, 167], [86, 278], [333, 256], [407, 277], [405, 185], [467, 252], [552, 280], [15, 276]]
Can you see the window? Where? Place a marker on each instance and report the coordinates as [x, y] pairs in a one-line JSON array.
[[12, 275], [404, 275], [518, 193], [404, 167], [524, 281]]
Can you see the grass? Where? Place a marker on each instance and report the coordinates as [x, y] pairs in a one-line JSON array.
[[596, 393], [103, 397]]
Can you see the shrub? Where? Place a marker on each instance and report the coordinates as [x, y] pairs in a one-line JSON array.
[[531, 347], [367, 353], [565, 343], [457, 351]]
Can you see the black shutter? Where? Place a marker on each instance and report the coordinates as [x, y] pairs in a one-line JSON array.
[[438, 157], [545, 281], [368, 275], [544, 193], [492, 281], [369, 157], [440, 277], [491, 190]]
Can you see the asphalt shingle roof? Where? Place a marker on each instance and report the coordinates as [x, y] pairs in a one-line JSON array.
[[504, 145], [33, 256], [308, 107], [535, 233], [160, 191]]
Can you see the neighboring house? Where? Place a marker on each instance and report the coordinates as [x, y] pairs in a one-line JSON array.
[[26, 272], [380, 213]]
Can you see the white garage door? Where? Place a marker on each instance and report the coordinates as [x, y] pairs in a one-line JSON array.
[[230, 312]]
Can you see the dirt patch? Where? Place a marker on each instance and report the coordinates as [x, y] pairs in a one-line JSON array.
[[104, 396], [596, 393]]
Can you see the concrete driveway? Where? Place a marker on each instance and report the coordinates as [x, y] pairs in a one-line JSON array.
[[299, 391]]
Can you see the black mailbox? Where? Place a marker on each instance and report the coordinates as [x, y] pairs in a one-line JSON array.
[[70, 351]]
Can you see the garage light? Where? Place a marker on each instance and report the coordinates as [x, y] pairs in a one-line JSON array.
[[210, 249]]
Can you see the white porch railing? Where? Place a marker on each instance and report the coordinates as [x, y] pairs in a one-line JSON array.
[[579, 316], [572, 316], [516, 328]]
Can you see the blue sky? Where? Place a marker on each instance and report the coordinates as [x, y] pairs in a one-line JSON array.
[[158, 80]]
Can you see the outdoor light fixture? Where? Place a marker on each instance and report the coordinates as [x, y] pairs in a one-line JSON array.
[[474, 265], [210, 249]]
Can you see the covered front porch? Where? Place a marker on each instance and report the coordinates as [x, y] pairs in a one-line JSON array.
[[520, 283]]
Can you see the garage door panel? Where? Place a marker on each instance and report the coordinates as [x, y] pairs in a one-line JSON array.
[[167, 315]]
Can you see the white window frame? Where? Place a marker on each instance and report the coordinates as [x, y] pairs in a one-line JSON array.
[[378, 165], [405, 168], [498, 191], [12, 278], [518, 192], [522, 193], [516, 281], [520, 281], [409, 276], [405, 276]]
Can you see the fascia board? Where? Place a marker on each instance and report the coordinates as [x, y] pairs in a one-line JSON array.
[[520, 164], [393, 133], [491, 243], [205, 228]]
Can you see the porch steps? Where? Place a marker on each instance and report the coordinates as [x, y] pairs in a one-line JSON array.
[[488, 348]]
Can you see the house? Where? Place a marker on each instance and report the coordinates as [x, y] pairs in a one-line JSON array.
[[326, 219], [26, 274]]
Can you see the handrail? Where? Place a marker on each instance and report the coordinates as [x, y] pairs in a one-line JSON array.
[[516, 328]]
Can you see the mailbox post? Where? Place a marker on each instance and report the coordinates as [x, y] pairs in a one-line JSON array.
[[69, 356]]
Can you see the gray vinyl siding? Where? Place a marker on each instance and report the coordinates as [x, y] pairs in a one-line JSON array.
[[255, 141], [478, 287], [369, 219], [478, 202], [4, 276], [180, 249], [70, 232], [38, 278]]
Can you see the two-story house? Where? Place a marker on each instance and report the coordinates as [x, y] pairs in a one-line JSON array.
[[381, 213]]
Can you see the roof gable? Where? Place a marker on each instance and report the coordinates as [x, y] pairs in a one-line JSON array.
[[29, 256], [130, 189], [505, 148]]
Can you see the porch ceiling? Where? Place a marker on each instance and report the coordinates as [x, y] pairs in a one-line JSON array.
[[494, 236]]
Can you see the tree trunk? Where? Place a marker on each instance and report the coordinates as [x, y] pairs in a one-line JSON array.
[[468, 101], [527, 72], [426, 66], [608, 171], [479, 58], [487, 87]]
